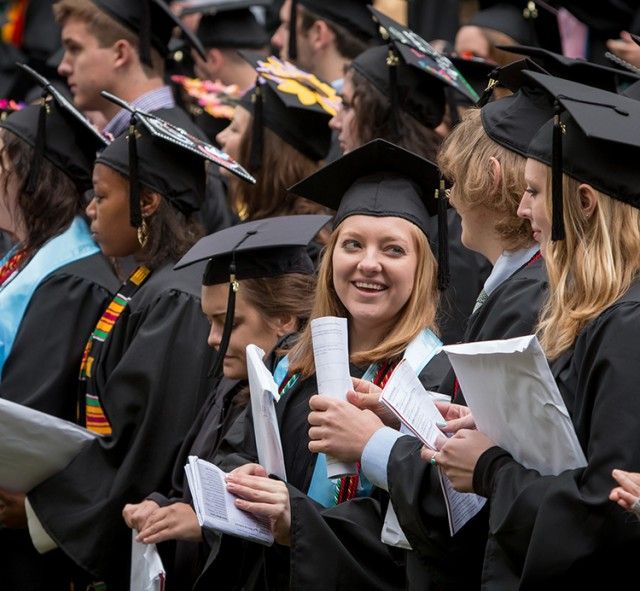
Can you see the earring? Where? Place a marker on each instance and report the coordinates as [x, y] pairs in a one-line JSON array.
[[143, 233]]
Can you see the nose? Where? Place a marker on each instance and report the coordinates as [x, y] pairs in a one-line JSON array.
[[215, 336], [524, 208], [279, 40], [64, 68], [91, 209], [370, 262], [335, 122], [221, 137]]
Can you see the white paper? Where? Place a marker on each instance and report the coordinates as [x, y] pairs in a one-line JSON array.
[[515, 401], [264, 392], [147, 570], [406, 397], [331, 356], [392, 533], [215, 505], [35, 446]]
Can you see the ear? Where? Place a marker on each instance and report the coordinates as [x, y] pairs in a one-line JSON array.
[[124, 54], [215, 59], [496, 173], [320, 35], [588, 199], [285, 324], [149, 203]]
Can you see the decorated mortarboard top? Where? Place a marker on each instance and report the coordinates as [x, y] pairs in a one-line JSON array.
[[592, 138], [165, 159], [262, 248], [152, 21], [229, 23], [419, 54], [350, 14], [213, 98], [8, 106], [58, 132], [294, 104], [381, 179], [475, 70], [578, 70]]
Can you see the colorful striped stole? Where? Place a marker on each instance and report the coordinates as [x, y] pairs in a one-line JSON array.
[[95, 418]]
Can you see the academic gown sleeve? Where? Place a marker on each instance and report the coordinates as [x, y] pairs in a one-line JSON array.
[[563, 530], [152, 380], [42, 369]]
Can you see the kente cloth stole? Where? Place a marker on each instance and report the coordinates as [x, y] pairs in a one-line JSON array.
[[95, 418], [11, 266]]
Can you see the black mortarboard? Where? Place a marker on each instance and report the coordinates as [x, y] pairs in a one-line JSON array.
[[604, 77], [165, 159], [229, 23], [152, 21], [381, 179], [508, 19], [294, 104], [58, 132], [595, 140], [350, 14], [475, 70], [262, 248]]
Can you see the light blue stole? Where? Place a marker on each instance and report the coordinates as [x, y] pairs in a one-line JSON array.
[[73, 244], [418, 354]]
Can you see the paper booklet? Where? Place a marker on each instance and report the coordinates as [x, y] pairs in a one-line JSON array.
[[215, 506], [147, 570], [331, 356], [406, 397], [264, 393], [35, 446], [515, 401]]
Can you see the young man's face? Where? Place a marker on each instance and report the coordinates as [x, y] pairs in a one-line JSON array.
[[87, 67]]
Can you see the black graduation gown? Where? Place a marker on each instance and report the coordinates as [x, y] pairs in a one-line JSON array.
[[42, 372], [435, 563], [151, 377], [563, 531], [340, 541]]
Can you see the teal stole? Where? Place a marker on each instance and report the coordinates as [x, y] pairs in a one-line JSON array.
[[73, 244]]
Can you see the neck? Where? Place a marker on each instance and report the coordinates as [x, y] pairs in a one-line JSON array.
[[130, 90], [330, 66], [364, 337], [492, 250], [241, 74]]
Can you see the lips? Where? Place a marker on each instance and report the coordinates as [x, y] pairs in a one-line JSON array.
[[369, 286]]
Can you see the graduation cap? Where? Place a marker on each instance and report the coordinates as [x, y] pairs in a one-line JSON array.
[[578, 70], [294, 104], [381, 179], [229, 23], [263, 248], [165, 159], [475, 70], [350, 14], [213, 98], [152, 21], [592, 138], [57, 131]]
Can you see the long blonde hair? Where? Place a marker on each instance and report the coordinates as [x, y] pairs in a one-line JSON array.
[[418, 313], [589, 270]]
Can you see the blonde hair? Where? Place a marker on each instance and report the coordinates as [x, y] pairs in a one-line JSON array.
[[589, 270], [104, 28], [464, 160], [419, 311]]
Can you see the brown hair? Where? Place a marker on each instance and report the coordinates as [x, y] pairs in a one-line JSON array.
[[464, 160], [348, 44], [56, 200], [589, 270], [282, 166], [373, 119], [104, 28], [418, 313]]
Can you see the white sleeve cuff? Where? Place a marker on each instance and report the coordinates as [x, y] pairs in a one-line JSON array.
[[375, 456], [39, 537]]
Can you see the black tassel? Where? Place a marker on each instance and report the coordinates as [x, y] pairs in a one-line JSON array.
[[38, 153], [135, 213], [443, 238], [145, 33], [557, 216], [257, 135], [392, 66], [218, 364], [292, 52]]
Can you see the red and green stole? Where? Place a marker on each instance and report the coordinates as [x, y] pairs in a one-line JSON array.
[[95, 418], [12, 265]]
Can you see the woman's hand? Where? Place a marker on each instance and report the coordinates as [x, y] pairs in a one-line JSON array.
[[12, 512], [627, 495], [339, 429], [459, 455], [366, 396], [173, 522], [263, 497], [136, 515], [457, 416]]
